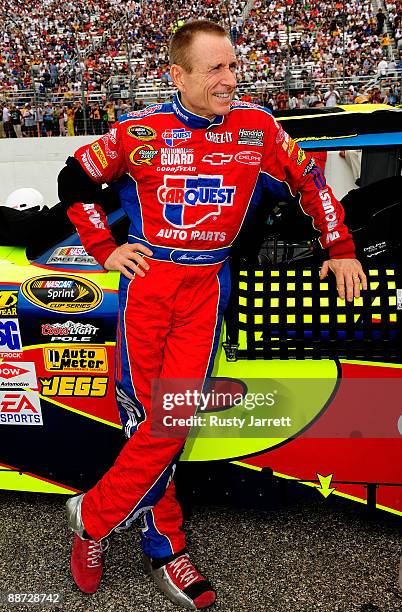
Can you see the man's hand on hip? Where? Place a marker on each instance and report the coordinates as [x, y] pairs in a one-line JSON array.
[[349, 274], [129, 257]]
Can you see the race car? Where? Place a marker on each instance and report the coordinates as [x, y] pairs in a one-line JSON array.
[[329, 372]]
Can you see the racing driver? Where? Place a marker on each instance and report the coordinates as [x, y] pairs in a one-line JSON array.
[[189, 171]]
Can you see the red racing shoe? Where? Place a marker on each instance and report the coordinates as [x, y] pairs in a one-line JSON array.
[[87, 563], [182, 583]]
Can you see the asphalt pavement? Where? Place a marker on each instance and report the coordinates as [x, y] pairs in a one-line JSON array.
[[310, 557]]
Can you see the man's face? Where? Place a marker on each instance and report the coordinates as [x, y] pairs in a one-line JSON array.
[[209, 88]]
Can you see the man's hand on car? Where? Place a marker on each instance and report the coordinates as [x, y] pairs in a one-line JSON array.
[[349, 274], [129, 257]]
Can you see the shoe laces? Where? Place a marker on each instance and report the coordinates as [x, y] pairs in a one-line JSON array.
[[184, 571], [96, 549]]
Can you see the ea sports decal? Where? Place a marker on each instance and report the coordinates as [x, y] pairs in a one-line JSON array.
[[175, 136], [62, 293], [141, 132], [20, 408], [189, 200]]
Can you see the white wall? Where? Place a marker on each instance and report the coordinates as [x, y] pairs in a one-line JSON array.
[[338, 174], [36, 162]]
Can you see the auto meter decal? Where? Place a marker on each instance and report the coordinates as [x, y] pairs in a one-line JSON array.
[[62, 293], [75, 359]]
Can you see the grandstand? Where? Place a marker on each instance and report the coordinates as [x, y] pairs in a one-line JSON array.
[[91, 52]]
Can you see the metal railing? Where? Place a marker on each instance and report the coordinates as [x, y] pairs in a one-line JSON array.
[[154, 89], [118, 87]]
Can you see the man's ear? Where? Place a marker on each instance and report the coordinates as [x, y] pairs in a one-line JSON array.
[[176, 72]]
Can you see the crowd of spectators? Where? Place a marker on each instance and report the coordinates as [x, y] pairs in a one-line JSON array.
[[327, 97], [323, 42], [42, 41], [56, 47], [394, 8], [72, 119]]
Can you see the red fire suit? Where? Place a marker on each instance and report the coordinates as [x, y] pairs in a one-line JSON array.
[[188, 184]]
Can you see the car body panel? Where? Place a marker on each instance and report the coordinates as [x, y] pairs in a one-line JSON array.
[[79, 433]]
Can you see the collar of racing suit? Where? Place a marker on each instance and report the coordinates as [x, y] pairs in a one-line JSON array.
[[190, 119]]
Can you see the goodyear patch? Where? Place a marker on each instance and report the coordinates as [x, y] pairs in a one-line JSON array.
[[8, 303]]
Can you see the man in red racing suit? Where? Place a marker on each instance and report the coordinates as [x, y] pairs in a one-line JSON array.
[[191, 171]]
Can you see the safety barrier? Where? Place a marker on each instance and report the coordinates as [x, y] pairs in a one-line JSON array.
[[287, 313]]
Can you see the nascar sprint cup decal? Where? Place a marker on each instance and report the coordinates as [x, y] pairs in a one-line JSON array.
[[62, 293]]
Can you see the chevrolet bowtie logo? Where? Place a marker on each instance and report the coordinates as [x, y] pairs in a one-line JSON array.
[[217, 159]]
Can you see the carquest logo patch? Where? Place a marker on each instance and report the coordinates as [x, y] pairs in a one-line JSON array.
[[62, 293], [189, 200], [141, 132], [174, 136]]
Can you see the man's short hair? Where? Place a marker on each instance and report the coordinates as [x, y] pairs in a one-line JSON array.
[[180, 43]]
